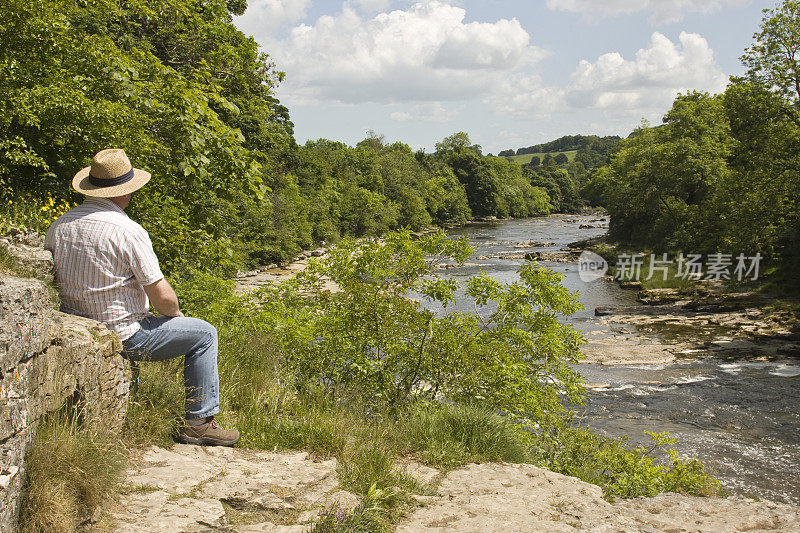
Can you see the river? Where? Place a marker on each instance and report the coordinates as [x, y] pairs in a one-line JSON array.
[[738, 415]]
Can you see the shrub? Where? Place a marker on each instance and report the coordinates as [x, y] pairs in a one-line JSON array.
[[621, 471], [370, 342]]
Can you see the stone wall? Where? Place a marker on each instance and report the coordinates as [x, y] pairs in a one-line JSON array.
[[48, 360]]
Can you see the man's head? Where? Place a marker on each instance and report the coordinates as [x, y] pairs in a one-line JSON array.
[[122, 201], [110, 175]]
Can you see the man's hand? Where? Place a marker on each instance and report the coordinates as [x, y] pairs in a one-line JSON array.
[[163, 298]]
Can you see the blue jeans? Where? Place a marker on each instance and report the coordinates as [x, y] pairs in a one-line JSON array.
[[168, 337]]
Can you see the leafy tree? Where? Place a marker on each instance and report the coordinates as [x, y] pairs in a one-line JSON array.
[[456, 142], [773, 60], [370, 342], [560, 187], [561, 159], [658, 187], [480, 182], [78, 77], [446, 198]]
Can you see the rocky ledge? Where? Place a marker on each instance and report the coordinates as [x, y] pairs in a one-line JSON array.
[[188, 488], [725, 325]]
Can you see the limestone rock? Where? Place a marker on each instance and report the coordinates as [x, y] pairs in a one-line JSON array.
[[273, 487], [47, 359], [525, 498]]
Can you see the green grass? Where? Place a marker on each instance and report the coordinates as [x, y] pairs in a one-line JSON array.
[[526, 158], [448, 435]]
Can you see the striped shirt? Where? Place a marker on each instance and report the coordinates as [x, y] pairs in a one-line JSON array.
[[102, 259]]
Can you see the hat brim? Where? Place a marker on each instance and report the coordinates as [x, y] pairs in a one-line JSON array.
[[81, 184]]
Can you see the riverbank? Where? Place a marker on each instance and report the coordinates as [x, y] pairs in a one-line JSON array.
[[260, 399], [697, 317]]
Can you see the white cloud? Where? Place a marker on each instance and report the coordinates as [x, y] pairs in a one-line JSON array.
[[263, 17], [651, 80], [661, 10], [526, 96], [372, 6], [425, 112], [424, 53]]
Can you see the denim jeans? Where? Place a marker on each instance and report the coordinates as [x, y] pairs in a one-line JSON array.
[[168, 337]]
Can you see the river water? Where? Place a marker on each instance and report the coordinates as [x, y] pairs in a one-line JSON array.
[[739, 417]]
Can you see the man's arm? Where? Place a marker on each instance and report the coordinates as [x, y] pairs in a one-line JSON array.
[[163, 298]]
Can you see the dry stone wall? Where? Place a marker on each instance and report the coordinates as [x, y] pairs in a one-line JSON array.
[[48, 360]]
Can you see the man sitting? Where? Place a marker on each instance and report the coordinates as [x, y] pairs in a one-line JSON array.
[[106, 270]]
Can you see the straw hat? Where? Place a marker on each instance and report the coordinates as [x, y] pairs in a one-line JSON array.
[[111, 174]]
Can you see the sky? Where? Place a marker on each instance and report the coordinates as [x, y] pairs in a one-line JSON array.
[[509, 73]]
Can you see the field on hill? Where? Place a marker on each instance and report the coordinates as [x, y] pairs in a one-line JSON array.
[[526, 158]]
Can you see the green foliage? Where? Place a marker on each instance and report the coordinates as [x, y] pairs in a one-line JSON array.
[[772, 60], [493, 185], [621, 471], [370, 342], [454, 143], [568, 143], [658, 186], [79, 77], [722, 173], [560, 186]]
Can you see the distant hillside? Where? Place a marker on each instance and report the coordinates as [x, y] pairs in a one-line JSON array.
[[526, 158], [568, 143]]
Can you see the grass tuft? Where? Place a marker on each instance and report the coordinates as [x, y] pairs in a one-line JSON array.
[[154, 408], [449, 435], [71, 471]]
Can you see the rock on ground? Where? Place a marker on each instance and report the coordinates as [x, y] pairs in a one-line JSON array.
[[525, 498], [190, 488]]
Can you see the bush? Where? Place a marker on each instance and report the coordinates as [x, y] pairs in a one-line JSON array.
[[369, 342], [619, 470]]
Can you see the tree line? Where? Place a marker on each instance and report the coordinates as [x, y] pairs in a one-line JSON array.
[[567, 143]]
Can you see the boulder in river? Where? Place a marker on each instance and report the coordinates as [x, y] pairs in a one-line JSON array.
[[659, 296]]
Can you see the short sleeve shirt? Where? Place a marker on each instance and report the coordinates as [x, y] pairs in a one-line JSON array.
[[102, 261]]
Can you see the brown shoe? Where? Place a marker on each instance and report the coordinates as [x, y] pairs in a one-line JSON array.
[[208, 434]]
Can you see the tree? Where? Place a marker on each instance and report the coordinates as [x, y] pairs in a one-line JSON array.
[[561, 159], [456, 141], [370, 341], [773, 61], [79, 76], [658, 187]]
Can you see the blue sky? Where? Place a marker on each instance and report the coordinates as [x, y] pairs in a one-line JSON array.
[[509, 73]]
